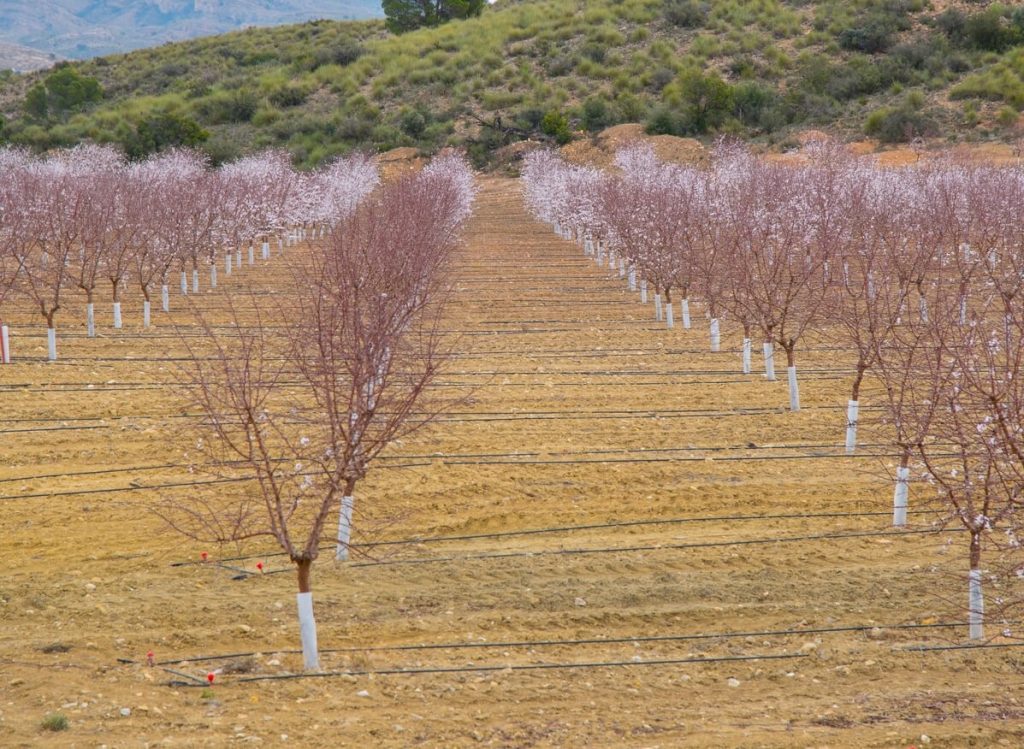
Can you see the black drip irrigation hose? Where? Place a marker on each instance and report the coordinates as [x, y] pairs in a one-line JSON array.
[[487, 556], [938, 648], [578, 642], [504, 667], [559, 529]]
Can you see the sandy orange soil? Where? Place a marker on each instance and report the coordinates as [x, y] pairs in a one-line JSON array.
[[583, 411]]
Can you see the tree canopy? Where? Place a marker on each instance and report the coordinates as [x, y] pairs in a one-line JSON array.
[[406, 15]]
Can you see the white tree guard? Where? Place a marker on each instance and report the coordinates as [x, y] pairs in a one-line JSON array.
[[145, 313], [632, 279], [90, 320], [227, 264], [963, 311], [769, 361], [716, 335], [922, 306], [213, 276], [117, 315], [747, 356], [307, 632], [184, 283], [852, 408], [588, 247], [344, 528], [643, 292], [5, 345], [622, 268], [658, 313], [238, 258], [252, 255], [265, 250], [975, 606], [794, 389], [685, 307], [195, 281], [51, 344], [670, 321], [165, 298], [899, 497]]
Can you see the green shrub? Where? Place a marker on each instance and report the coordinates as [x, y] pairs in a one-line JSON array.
[[705, 102], [596, 114], [412, 122], [556, 126], [54, 722], [163, 130], [899, 124], [689, 14], [63, 91], [290, 95]]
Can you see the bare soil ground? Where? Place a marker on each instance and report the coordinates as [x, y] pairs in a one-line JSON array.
[[585, 411]]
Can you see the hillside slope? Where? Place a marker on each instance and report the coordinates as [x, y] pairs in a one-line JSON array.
[[85, 28], [542, 68]]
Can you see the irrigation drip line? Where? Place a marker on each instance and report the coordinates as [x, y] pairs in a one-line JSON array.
[[936, 648], [457, 417], [81, 428], [577, 642], [28, 387], [520, 667], [616, 549], [559, 529]]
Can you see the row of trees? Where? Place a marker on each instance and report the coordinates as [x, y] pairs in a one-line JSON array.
[[916, 271], [83, 218], [309, 386]]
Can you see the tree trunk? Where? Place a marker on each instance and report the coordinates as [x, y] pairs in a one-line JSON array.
[[345, 522], [976, 599], [307, 624], [899, 498]]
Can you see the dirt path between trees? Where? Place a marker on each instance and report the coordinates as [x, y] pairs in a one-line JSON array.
[[584, 412]]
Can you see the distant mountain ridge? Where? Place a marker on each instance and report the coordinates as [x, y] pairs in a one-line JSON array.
[[87, 28]]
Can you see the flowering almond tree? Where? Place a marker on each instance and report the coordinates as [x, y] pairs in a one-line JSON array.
[[359, 333]]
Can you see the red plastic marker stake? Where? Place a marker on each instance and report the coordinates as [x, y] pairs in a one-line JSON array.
[[210, 677], [259, 566], [203, 555], [149, 659]]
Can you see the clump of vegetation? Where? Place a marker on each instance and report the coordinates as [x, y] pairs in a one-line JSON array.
[[54, 722]]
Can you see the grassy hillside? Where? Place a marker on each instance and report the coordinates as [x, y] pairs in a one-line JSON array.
[[892, 69]]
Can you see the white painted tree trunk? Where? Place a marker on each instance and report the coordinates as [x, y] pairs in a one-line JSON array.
[[280, 242], [670, 321], [213, 276], [899, 497], [852, 408], [117, 315], [922, 305], [794, 389], [685, 307], [90, 320], [746, 356], [963, 311], [184, 283], [227, 264], [252, 255], [716, 335], [588, 247], [632, 279], [643, 292], [145, 313], [975, 606], [769, 361], [266, 250], [165, 298], [195, 281], [51, 344], [622, 268], [5, 345], [658, 315], [307, 631], [344, 528]]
